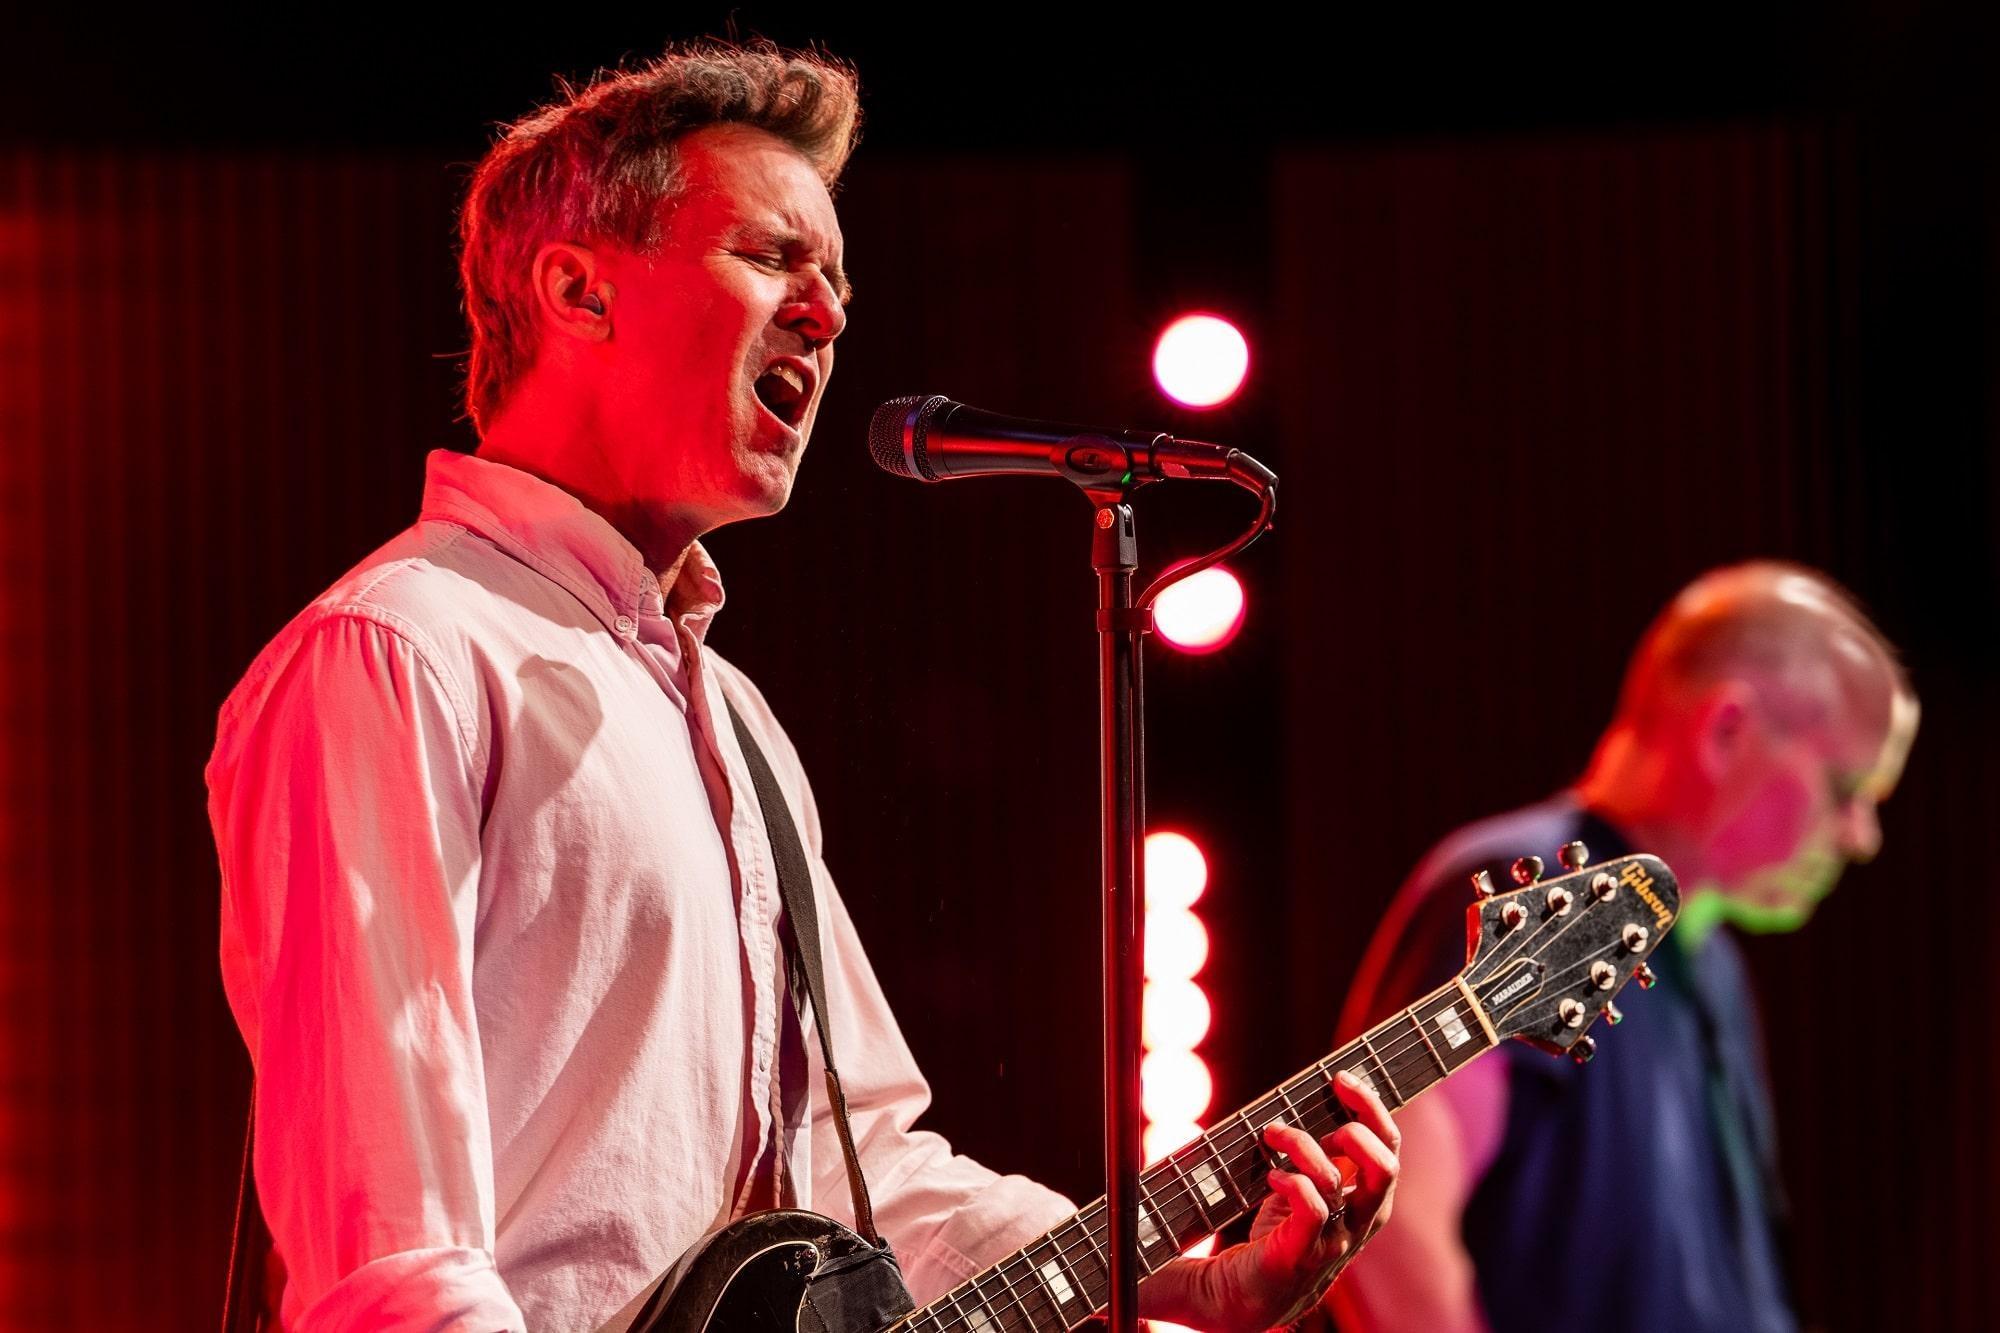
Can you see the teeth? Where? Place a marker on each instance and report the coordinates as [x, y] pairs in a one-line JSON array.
[[789, 376]]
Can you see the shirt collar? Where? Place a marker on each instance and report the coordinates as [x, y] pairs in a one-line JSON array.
[[550, 530]]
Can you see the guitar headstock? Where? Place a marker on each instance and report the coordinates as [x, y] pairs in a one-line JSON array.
[[1546, 960]]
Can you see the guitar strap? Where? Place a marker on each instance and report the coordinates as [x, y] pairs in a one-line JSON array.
[[795, 887], [244, 1307]]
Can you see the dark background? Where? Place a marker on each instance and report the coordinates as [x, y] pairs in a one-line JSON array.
[[1546, 319]]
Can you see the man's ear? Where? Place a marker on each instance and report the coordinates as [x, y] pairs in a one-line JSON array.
[[569, 293], [1725, 722]]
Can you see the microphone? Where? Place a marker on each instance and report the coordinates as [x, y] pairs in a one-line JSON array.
[[935, 439]]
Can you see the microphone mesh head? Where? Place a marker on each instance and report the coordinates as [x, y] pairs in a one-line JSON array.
[[896, 435]]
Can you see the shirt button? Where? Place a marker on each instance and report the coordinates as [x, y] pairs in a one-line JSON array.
[[627, 626]]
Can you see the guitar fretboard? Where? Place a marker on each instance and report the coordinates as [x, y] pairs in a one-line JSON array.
[[1063, 1278]]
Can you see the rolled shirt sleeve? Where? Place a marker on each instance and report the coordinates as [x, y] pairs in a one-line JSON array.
[[345, 794]]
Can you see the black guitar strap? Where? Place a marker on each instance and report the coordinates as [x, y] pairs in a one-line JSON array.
[[795, 887]]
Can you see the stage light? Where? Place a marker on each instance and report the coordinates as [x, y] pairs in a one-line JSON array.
[[1176, 946], [1176, 1015], [1176, 872], [1175, 1086], [1200, 360], [1202, 612], [1163, 1138]]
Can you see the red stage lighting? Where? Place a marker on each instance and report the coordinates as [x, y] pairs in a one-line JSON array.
[[1200, 360], [1176, 1015], [1202, 612], [1176, 872], [1176, 1086]]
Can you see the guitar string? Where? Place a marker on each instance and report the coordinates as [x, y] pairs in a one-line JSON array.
[[1589, 906], [1397, 1056], [1227, 1140], [1170, 1218]]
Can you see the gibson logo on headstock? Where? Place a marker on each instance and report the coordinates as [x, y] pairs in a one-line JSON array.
[[1636, 879]]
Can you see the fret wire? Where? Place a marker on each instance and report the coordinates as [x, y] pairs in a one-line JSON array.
[[1065, 1254], [1145, 1263], [1405, 1055], [1161, 1223], [1039, 1291], [1163, 1228], [1410, 1063], [987, 1303], [1387, 1078], [1000, 1271], [1103, 1259], [1194, 1195], [1182, 1222], [995, 1307], [1409, 1058], [1198, 1196], [1042, 1282], [1429, 1045], [1230, 1189], [1075, 1280], [954, 1297]]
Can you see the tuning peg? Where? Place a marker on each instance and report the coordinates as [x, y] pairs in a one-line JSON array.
[[1613, 1014], [1645, 976], [1573, 855], [1570, 1012], [1559, 901], [1603, 975], [1526, 870], [1584, 1051], [1512, 914], [1482, 884], [1634, 937], [1602, 886]]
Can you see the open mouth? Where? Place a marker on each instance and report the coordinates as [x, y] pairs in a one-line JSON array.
[[784, 392]]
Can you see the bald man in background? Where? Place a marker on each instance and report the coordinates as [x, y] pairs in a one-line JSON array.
[[1762, 721]]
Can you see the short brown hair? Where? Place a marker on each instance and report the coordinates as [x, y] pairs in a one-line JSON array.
[[601, 164]]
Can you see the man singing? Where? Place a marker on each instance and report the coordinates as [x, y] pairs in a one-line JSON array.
[[501, 924]]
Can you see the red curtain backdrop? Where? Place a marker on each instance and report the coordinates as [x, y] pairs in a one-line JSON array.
[[1519, 390]]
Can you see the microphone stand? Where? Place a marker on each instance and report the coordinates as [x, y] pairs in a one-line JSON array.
[[1114, 555], [1122, 624]]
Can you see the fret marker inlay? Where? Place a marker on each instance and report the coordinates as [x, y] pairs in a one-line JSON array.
[[978, 1321], [1148, 1233], [1052, 1274], [1211, 1184], [1453, 1027]]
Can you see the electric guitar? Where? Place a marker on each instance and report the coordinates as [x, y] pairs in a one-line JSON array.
[[1544, 962]]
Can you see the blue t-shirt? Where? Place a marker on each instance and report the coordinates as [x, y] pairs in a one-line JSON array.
[[1639, 1191]]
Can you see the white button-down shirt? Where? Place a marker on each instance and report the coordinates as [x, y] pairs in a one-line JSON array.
[[500, 927]]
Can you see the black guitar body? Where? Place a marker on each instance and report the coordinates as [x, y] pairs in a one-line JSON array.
[[783, 1271]]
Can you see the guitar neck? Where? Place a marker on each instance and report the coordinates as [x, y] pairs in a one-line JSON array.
[[1063, 1278]]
